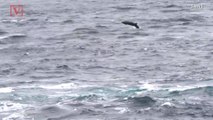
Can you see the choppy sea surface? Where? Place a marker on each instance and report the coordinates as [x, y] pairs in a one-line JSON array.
[[75, 60]]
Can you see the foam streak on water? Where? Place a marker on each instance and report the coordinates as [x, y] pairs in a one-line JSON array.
[[75, 60]]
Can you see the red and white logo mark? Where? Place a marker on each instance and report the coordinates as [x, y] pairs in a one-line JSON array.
[[16, 10]]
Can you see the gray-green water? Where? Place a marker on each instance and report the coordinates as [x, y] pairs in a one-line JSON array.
[[75, 60]]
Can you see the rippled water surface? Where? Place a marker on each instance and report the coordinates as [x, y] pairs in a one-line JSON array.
[[75, 60]]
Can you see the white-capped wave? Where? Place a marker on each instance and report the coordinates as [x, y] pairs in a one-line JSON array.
[[6, 90], [6, 106], [60, 86], [176, 86]]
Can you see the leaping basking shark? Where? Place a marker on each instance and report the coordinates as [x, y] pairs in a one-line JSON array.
[[131, 23]]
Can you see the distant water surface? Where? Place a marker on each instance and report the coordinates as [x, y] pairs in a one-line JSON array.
[[75, 60]]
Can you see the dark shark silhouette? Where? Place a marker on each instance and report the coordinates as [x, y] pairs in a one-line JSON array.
[[131, 23]]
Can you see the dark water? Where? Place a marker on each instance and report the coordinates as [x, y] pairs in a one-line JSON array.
[[75, 60]]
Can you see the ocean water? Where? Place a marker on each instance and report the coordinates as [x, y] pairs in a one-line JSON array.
[[75, 60]]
